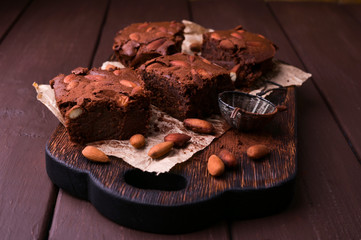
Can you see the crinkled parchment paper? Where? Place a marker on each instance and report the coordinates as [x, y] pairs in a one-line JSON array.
[[162, 124]]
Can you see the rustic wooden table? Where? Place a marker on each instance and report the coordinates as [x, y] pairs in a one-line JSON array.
[[40, 39]]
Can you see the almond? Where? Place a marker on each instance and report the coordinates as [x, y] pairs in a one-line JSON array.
[[117, 72], [198, 125], [258, 151], [69, 78], [215, 166], [228, 158], [95, 77], [72, 85], [94, 154], [179, 63], [254, 44], [134, 36], [226, 44], [156, 44], [160, 149], [122, 100], [128, 83], [215, 36], [203, 73], [75, 112], [137, 91], [237, 35], [110, 67], [206, 61], [137, 141], [179, 139]]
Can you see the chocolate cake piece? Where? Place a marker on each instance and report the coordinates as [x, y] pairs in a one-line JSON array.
[[139, 42], [185, 86], [99, 105], [247, 55]]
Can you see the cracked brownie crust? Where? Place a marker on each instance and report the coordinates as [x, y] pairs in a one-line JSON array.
[[100, 105], [139, 42]]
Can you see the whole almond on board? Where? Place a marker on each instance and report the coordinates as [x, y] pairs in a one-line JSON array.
[[215, 166], [137, 141], [94, 154], [228, 158], [160, 149], [198, 125], [179, 139], [258, 151]]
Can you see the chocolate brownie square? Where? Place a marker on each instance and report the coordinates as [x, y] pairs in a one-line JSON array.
[[139, 42], [99, 105], [185, 86], [247, 55]]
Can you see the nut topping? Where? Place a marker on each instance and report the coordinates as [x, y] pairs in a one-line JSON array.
[[69, 78], [179, 63], [127, 83], [122, 100], [134, 36], [75, 112], [215, 36], [156, 44]]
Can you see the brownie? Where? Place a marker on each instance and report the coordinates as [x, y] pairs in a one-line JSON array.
[[185, 86], [99, 105], [139, 42], [246, 54]]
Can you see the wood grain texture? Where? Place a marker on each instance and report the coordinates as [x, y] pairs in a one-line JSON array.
[[320, 202], [89, 224], [332, 57], [117, 195], [354, 10], [44, 42], [10, 11]]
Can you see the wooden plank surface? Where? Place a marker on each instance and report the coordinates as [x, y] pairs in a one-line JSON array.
[[333, 57], [63, 226], [354, 10], [10, 12], [49, 38], [78, 219], [325, 160]]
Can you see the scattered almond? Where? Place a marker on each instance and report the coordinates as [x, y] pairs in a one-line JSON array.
[[160, 149], [199, 125], [215, 166], [137, 141], [258, 151], [228, 158], [179, 139], [94, 154]]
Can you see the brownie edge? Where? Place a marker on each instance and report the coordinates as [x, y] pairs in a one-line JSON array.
[[185, 86], [102, 105]]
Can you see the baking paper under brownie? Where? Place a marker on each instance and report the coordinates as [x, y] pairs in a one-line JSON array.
[[139, 42], [185, 86], [247, 55], [99, 105]]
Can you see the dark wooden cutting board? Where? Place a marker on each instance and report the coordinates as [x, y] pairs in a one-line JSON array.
[[187, 198]]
